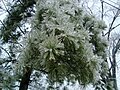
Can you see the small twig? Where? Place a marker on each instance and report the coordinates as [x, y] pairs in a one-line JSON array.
[[110, 4], [5, 7], [114, 2], [112, 29], [111, 25], [5, 51], [102, 9], [115, 26], [3, 24]]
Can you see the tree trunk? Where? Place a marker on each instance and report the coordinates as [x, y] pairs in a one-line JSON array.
[[114, 52], [25, 78], [114, 72]]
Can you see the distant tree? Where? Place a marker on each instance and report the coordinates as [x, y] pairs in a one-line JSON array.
[[108, 10]]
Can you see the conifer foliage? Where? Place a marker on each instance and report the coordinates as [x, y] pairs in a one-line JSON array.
[[64, 44]]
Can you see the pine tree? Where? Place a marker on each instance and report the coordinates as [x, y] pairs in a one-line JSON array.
[[64, 44]]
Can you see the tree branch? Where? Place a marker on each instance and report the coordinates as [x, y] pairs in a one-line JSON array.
[[14, 18]]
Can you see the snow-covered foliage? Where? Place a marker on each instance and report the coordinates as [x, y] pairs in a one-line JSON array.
[[65, 43]]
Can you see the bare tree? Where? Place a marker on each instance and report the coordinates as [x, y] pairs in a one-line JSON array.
[[108, 11]]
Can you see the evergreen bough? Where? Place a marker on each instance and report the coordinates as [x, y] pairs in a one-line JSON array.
[[65, 43]]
